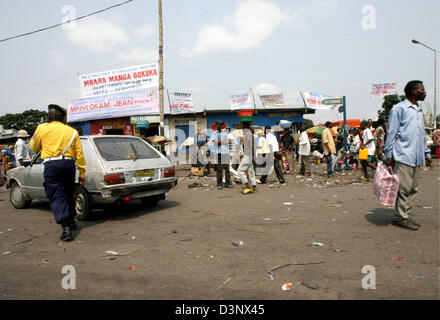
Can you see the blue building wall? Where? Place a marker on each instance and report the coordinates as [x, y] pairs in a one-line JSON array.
[[85, 126], [263, 118]]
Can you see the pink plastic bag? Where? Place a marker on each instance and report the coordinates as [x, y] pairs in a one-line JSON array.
[[386, 185]]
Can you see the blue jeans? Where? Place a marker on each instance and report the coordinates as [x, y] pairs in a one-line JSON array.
[[331, 158]]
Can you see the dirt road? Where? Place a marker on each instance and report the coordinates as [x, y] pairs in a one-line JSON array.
[[182, 249]]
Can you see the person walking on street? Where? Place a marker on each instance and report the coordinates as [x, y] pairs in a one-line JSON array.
[[329, 148], [287, 143], [246, 164], [275, 155], [367, 142], [405, 150], [354, 143], [221, 146], [21, 148], [60, 147], [304, 152]]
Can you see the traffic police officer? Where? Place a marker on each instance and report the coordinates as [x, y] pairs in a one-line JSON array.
[[60, 146]]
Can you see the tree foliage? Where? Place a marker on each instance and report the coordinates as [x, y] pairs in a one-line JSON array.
[[387, 105], [308, 123], [27, 120]]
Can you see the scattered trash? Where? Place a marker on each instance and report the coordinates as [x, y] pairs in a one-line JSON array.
[[370, 212], [45, 261], [336, 205], [124, 250], [287, 203], [189, 239], [418, 277], [317, 244], [308, 286], [132, 267], [430, 207], [400, 259], [5, 253], [9, 229], [132, 238], [267, 219], [212, 257], [195, 185], [337, 250], [237, 243], [270, 271], [224, 283], [287, 286]]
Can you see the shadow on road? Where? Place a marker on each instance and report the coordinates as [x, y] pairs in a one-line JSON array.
[[380, 216], [133, 209]]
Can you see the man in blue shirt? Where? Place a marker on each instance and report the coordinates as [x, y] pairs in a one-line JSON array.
[[221, 146], [405, 150]]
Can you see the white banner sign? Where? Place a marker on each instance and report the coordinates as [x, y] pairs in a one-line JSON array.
[[314, 101], [124, 104], [241, 101], [272, 100], [119, 80], [383, 89], [181, 102]]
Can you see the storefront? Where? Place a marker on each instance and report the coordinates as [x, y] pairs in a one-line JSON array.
[[262, 118], [145, 126], [117, 126], [180, 127]]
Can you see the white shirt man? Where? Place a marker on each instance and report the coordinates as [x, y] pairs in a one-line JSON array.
[[304, 144], [21, 148], [371, 146]]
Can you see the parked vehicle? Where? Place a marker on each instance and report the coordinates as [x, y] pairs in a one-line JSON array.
[[119, 168]]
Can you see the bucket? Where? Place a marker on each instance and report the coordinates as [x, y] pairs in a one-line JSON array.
[[245, 113]]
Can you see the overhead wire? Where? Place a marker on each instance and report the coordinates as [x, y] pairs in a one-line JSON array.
[[60, 24]]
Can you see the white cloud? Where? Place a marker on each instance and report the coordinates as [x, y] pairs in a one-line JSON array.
[[139, 55], [251, 23], [97, 34], [145, 31]]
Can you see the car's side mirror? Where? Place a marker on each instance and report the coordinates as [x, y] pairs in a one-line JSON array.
[[26, 163]]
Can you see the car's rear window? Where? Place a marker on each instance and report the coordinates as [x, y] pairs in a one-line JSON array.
[[114, 149]]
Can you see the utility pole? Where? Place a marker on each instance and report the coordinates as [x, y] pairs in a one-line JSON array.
[[435, 80], [161, 100]]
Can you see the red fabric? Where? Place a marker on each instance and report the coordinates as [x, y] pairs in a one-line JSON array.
[[386, 185]]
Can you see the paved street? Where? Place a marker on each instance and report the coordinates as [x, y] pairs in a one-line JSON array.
[[182, 249]]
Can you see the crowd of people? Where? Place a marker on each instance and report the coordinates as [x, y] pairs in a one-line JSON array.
[[400, 144]]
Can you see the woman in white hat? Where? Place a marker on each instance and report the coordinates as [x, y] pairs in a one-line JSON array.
[[21, 148]]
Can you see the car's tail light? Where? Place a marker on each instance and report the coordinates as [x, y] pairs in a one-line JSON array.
[[169, 172], [115, 178]]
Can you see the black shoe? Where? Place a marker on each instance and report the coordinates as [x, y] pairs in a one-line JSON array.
[[72, 225], [405, 223], [66, 235], [414, 222]]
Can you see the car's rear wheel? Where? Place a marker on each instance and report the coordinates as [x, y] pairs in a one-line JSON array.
[[18, 198], [83, 205], [150, 201]]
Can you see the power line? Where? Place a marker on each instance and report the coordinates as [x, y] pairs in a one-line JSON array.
[[59, 24]]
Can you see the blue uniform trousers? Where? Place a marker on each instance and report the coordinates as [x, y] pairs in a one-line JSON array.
[[59, 185]]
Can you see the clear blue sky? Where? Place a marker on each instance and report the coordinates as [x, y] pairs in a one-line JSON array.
[[220, 47]]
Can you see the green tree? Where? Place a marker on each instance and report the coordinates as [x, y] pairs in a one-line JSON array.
[[308, 123], [387, 105], [28, 120]]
